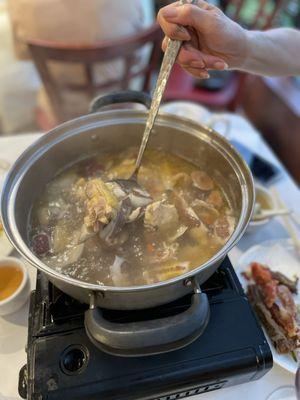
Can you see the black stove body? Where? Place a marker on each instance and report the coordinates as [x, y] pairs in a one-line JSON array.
[[64, 364]]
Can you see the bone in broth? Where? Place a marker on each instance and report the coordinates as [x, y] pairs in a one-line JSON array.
[[10, 279], [88, 227]]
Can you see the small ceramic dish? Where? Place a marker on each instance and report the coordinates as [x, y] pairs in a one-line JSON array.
[[264, 199], [14, 285]]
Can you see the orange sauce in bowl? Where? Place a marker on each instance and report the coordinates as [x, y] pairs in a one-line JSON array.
[[10, 279]]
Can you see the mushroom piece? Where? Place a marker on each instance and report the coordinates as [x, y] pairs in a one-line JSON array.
[[160, 215], [136, 214], [202, 181], [206, 212], [138, 196], [215, 199], [224, 228], [165, 271]]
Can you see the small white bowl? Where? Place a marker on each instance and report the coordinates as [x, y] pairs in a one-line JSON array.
[[253, 225], [20, 296]]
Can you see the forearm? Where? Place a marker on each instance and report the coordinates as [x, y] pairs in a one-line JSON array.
[[275, 52]]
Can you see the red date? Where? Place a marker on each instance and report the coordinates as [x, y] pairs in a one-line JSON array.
[[41, 244]]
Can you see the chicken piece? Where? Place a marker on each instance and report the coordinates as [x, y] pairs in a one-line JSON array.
[[78, 189], [160, 215], [260, 274], [86, 234], [199, 234], [181, 180], [277, 298], [286, 298], [206, 212], [64, 237], [215, 199], [101, 204], [123, 169], [269, 292], [284, 318], [276, 333], [61, 184], [185, 212], [44, 215], [284, 280], [202, 181], [224, 228], [62, 260]]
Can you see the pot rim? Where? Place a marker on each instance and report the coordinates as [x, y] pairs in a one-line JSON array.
[[36, 150]]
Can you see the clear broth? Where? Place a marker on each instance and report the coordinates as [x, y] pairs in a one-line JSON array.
[[147, 255]]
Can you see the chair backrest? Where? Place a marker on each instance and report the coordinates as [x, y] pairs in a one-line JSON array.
[[124, 49], [264, 12]]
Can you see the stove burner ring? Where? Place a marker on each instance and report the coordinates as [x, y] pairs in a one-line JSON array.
[[74, 359]]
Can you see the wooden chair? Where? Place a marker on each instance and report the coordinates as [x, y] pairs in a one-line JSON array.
[[125, 49], [264, 16], [181, 85]]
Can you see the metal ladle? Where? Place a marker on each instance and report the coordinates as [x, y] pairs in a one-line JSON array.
[[130, 186], [172, 50]]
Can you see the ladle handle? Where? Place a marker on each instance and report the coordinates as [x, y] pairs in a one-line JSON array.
[[172, 50], [126, 96], [141, 338]]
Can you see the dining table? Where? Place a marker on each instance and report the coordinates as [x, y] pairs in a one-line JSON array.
[[13, 328]]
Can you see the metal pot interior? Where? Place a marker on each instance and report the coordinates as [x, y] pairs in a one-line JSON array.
[[113, 131]]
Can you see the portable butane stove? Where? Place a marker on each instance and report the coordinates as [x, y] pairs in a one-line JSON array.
[[62, 363]]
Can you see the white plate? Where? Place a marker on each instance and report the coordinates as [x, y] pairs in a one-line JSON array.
[[5, 246], [278, 255], [187, 109]]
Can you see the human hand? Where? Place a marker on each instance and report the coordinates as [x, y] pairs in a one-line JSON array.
[[212, 40]]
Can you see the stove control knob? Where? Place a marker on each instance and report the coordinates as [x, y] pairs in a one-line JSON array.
[[74, 359]]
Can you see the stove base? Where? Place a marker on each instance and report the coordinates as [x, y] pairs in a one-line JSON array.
[[64, 363]]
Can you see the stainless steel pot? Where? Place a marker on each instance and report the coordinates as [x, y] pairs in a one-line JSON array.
[[115, 130]]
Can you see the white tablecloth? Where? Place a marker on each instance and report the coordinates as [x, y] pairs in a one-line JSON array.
[[13, 329]]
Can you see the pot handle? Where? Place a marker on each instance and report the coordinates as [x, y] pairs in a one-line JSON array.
[[126, 96], [148, 337]]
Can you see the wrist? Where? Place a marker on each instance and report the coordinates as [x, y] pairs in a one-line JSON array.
[[252, 39], [248, 45]]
